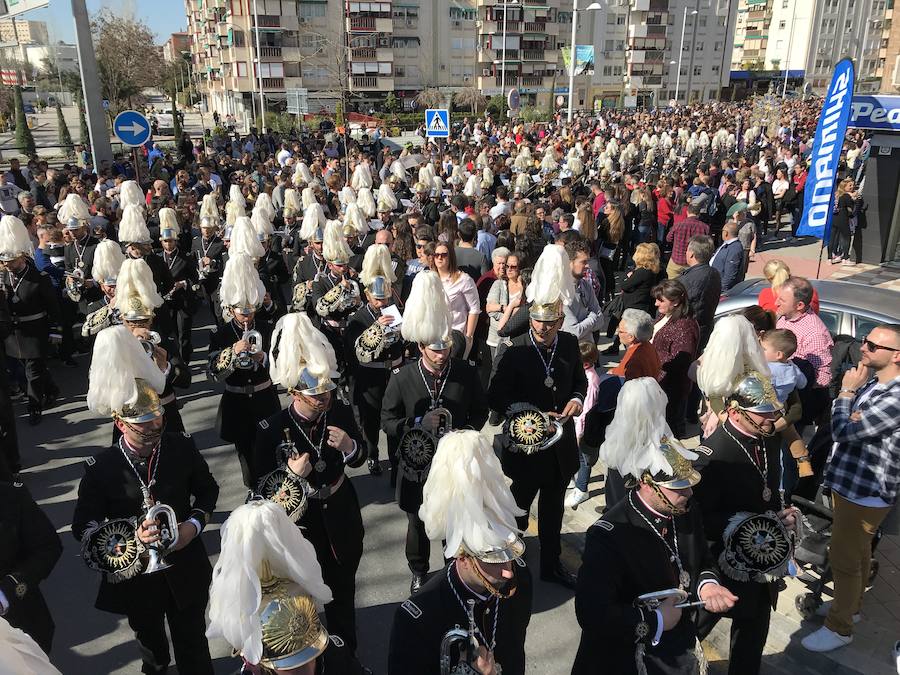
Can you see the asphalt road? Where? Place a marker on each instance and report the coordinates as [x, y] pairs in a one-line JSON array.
[[90, 641]]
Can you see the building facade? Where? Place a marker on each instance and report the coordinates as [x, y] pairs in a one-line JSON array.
[[20, 31], [177, 45], [364, 51]]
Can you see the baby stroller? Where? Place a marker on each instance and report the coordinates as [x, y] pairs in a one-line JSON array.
[[811, 552]]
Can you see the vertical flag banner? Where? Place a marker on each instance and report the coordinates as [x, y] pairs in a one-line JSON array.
[[818, 196]]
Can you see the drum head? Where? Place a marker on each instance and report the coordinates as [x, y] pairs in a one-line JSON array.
[[113, 549], [416, 450], [527, 427], [757, 547], [287, 490]]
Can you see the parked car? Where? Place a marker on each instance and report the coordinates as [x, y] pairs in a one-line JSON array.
[[845, 307]]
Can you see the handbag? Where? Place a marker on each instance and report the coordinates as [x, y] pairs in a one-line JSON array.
[[615, 307]]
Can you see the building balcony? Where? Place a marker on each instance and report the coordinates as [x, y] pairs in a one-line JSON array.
[[650, 5], [371, 54], [267, 20], [647, 56], [369, 24], [273, 83], [291, 53], [290, 22], [535, 27], [646, 81], [647, 31], [536, 81], [371, 83], [533, 55], [270, 53]]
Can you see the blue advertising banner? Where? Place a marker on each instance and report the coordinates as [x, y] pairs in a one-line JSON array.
[[820, 183], [881, 113]]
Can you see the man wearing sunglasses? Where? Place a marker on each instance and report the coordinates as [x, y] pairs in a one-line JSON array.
[[863, 474]]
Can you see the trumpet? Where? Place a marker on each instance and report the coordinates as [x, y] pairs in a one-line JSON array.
[[466, 645], [244, 358], [167, 522], [202, 270], [153, 339]]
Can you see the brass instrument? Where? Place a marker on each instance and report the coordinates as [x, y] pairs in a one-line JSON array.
[[153, 339], [244, 359], [168, 532], [466, 645], [374, 341], [653, 600], [341, 297], [75, 284], [417, 447], [202, 270]]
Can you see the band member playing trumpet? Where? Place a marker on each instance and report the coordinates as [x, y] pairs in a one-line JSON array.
[[207, 248], [182, 299], [266, 596], [335, 295], [475, 613], [649, 542], [237, 357], [137, 305], [316, 437], [372, 351], [543, 368], [168, 467], [79, 253], [423, 400], [35, 314]]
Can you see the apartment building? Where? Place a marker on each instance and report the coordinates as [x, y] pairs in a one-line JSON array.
[[177, 45], [21, 31], [890, 79]]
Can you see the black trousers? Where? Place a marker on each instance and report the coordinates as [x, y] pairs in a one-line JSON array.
[[418, 547], [340, 613], [369, 386], [547, 483], [184, 324], [9, 440], [245, 457], [749, 627], [188, 629], [39, 382]]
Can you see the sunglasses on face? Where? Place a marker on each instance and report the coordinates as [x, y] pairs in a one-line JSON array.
[[872, 347], [441, 255], [512, 267]]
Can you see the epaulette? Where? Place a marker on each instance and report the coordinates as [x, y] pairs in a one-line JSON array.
[[395, 370], [412, 609], [90, 461], [336, 640], [704, 450], [263, 424], [604, 525]]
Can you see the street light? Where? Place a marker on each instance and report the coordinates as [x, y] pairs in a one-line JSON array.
[[681, 54], [503, 57], [590, 8]]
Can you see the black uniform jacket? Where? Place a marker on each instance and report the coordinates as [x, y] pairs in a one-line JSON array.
[[274, 272], [357, 324], [291, 244], [324, 284], [407, 398], [83, 253], [182, 269], [421, 622], [239, 413], [730, 485], [334, 523], [110, 489], [214, 248], [307, 267], [519, 378], [29, 553], [623, 559], [33, 296]]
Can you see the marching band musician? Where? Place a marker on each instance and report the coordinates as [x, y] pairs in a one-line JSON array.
[[266, 596], [371, 372], [648, 542], [208, 248], [237, 357], [182, 299], [271, 265], [335, 295], [543, 367], [138, 304], [433, 394], [34, 311], [137, 243], [19, 653], [741, 469], [311, 264], [486, 589], [108, 259], [318, 435], [79, 251], [146, 466], [291, 240]]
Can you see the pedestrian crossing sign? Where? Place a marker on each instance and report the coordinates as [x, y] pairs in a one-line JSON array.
[[437, 123]]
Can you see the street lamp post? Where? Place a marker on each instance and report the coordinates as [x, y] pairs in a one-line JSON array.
[[262, 98], [503, 48], [787, 60], [681, 54], [590, 8]]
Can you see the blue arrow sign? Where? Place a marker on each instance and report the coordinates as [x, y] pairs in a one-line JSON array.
[[437, 123], [132, 128]]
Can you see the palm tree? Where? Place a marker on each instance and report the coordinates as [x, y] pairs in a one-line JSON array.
[[429, 98], [471, 98]]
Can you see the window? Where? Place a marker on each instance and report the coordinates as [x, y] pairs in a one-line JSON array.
[[312, 10], [608, 46], [785, 3], [782, 24], [718, 46], [698, 70], [699, 47], [461, 14], [271, 69], [620, 19], [715, 70], [240, 68], [469, 44], [702, 21]]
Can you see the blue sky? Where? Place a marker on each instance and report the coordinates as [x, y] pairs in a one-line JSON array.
[[163, 16]]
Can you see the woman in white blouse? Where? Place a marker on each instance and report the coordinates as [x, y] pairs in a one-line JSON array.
[[462, 296], [779, 188], [503, 299]]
